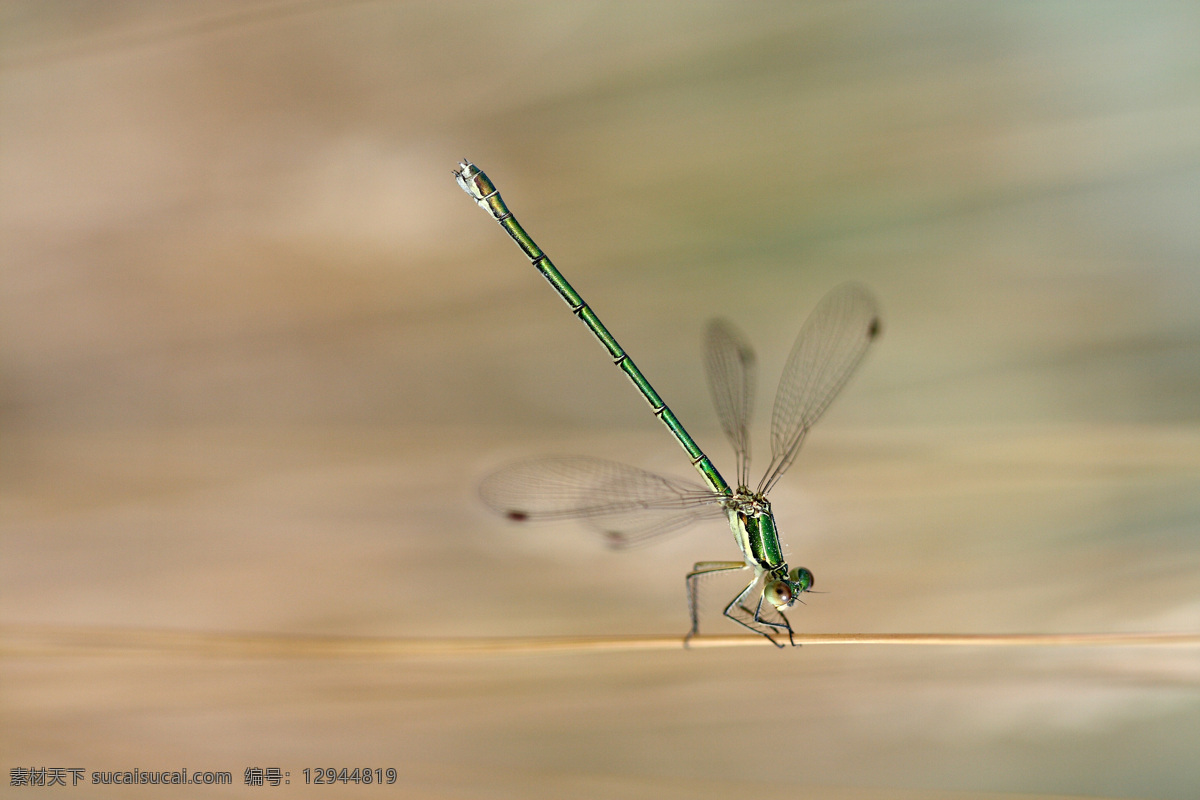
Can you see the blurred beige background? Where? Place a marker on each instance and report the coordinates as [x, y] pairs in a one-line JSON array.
[[257, 350]]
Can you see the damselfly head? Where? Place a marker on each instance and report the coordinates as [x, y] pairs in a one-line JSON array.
[[783, 593], [780, 594], [801, 578]]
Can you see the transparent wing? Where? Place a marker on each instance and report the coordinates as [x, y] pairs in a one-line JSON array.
[[831, 344], [634, 528], [729, 364], [626, 504]]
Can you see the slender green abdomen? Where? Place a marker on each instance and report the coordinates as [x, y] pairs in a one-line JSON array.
[[479, 186]]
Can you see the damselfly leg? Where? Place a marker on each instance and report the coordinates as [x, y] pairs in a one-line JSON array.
[[700, 570], [754, 619]]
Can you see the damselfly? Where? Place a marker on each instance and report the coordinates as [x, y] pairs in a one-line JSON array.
[[629, 505]]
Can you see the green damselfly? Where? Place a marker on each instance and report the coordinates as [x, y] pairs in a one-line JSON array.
[[629, 505]]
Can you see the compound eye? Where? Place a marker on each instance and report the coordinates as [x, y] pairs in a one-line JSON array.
[[802, 578], [779, 594]]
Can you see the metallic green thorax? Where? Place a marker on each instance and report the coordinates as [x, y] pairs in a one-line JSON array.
[[484, 192], [756, 534]]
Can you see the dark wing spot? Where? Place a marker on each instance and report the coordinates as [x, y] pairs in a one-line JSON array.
[[615, 539], [517, 516], [874, 328]]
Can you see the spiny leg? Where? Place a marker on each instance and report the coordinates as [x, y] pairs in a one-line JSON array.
[[737, 603], [700, 569], [785, 625], [757, 617]]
